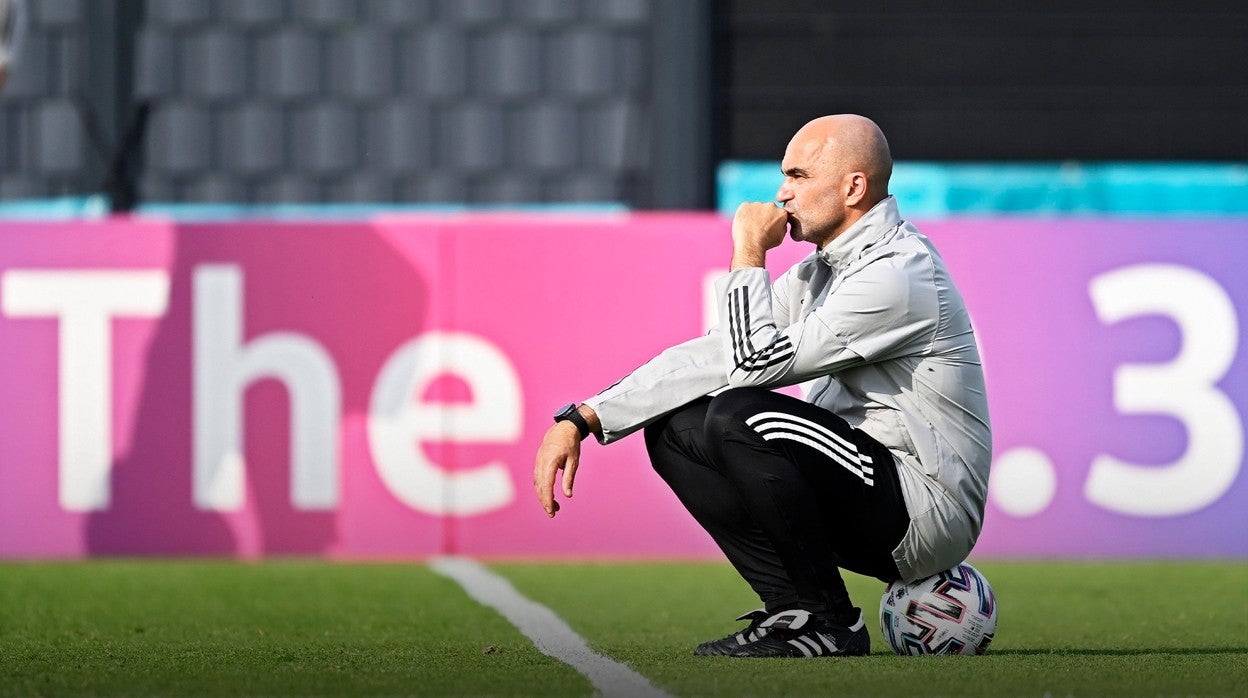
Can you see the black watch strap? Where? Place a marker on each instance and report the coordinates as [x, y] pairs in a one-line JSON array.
[[569, 413]]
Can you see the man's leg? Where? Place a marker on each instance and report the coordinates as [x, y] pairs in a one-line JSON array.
[[823, 494], [677, 450]]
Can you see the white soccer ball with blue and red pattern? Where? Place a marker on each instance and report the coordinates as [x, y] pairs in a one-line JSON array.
[[954, 612]]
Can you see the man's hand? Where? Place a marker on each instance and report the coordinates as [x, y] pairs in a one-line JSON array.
[[756, 228], [560, 450]]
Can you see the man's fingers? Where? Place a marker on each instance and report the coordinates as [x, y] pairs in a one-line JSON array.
[[759, 224], [544, 483], [545, 494], [569, 475]]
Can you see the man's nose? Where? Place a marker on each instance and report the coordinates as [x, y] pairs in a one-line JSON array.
[[783, 193]]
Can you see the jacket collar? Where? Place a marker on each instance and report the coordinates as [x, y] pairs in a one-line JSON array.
[[868, 230]]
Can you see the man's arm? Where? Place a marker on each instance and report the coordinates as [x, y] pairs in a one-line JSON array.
[[675, 377], [874, 313], [699, 366]]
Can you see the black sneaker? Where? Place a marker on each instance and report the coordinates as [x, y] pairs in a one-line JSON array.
[[800, 634], [724, 645]]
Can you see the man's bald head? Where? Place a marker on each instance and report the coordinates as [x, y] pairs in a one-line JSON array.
[[836, 169], [850, 143]]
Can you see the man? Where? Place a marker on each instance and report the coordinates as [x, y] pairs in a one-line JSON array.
[[883, 472]]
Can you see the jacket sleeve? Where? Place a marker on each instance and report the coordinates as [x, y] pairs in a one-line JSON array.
[[679, 375], [868, 316], [674, 378]]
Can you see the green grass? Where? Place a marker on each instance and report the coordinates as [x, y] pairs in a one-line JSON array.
[[317, 628], [282, 628], [1064, 629]]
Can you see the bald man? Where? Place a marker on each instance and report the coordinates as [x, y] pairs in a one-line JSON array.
[[883, 470]]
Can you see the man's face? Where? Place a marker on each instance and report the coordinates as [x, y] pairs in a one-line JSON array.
[[811, 193]]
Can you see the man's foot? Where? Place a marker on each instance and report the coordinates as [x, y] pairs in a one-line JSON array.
[[801, 634], [724, 645]]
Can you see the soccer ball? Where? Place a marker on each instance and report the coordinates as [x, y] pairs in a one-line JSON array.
[[954, 612]]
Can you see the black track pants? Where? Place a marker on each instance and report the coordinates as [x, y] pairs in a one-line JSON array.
[[789, 491]]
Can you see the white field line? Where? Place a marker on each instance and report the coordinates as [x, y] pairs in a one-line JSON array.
[[548, 631]]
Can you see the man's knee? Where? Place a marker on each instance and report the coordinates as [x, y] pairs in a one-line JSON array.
[[656, 435], [729, 410], [677, 432]]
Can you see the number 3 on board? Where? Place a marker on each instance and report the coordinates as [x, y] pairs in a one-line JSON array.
[[1185, 388]]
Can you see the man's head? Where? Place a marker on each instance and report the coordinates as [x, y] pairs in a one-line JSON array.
[[835, 169]]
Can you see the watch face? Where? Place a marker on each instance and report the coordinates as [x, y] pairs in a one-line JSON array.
[[565, 411]]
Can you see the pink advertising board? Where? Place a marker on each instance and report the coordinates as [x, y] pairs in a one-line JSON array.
[[377, 388]]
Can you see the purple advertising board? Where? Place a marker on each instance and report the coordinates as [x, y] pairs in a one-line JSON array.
[[377, 388]]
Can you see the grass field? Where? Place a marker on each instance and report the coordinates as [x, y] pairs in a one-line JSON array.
[[316, 628]]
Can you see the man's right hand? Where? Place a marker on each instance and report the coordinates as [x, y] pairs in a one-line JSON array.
[[756, 228]]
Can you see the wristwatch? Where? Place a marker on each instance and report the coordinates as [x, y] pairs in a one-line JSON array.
[[569, 413]]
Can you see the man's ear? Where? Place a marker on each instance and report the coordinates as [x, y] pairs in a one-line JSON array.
[[855, 188]]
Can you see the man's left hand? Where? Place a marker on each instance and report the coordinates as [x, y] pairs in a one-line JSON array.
[[560, 450]]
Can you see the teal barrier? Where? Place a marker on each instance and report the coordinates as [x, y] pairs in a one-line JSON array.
[[923, 189], [937, 190]]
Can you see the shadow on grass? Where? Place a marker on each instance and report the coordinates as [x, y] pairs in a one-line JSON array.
[[1122, 652]]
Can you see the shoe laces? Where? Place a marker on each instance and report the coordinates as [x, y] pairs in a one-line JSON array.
[[793, 620], [754, 630]]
